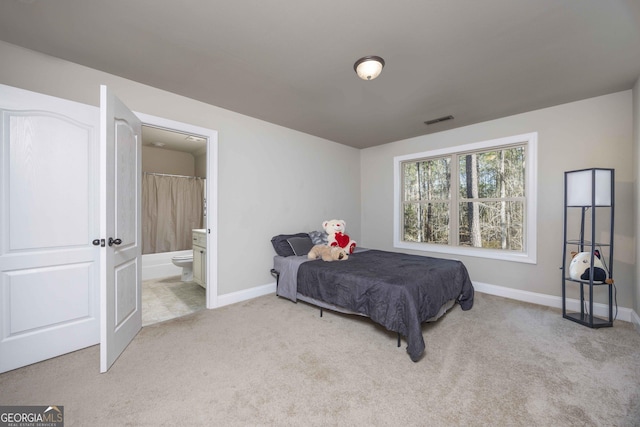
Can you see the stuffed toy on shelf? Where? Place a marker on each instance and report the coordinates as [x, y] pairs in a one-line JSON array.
[[580, 267]]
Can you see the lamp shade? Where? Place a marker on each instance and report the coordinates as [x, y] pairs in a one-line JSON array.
[[589, 187], [369, 67]]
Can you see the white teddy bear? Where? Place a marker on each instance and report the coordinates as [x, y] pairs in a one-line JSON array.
[[336, 237]]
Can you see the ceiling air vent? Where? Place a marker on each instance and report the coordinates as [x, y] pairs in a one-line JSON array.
[[438, 120]]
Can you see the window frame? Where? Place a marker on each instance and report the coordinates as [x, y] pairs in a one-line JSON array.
[[528, 254]]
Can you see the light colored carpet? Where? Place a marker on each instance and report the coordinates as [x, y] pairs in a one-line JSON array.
[[168, 298], [272, 362]]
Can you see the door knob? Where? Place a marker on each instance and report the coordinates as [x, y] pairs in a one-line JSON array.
[[113, 241], [98, 242]]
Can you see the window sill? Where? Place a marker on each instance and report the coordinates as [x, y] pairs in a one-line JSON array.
[[523, 257]]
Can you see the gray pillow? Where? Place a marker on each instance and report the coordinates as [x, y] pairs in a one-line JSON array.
[[300, 245], [319, 237], [281, 246]]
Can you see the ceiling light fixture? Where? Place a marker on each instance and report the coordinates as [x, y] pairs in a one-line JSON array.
[[158, 144], [369, 67], [194, 138]]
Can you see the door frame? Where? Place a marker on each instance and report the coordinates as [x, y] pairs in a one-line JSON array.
[[212, 193]]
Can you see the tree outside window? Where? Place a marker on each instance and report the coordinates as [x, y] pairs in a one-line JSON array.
[[475, 198]]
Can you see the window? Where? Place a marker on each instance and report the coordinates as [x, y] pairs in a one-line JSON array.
[[478, 199]]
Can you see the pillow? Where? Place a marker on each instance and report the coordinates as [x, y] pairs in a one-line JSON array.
[[300, 245], [319, 237], [281, 246]]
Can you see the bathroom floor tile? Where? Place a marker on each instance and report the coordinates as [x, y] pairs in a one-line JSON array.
[[167, 298]]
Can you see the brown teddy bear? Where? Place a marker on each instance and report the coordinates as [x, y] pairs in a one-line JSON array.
[[328, 253]]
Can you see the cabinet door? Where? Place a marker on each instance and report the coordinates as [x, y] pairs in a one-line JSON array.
[[204, 268], [197, 265]]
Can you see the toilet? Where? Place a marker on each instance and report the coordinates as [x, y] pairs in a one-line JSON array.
[[186, 263]]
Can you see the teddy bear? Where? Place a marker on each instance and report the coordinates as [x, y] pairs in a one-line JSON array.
[[579, 267], [336, 237], [328, 253]]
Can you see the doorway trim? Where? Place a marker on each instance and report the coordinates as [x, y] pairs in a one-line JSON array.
[[212, 193]]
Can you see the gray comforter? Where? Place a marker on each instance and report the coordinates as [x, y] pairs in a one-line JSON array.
[[398, 291]]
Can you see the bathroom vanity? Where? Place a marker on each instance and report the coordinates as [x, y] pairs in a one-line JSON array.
[[200, 257]]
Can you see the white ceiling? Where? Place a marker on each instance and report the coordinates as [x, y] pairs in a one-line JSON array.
[[172, 140], [290, 62]]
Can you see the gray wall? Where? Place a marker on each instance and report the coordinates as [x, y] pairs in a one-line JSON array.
[[271, 179], [160, 160], [275, 180], [636, 193], [590, 133]]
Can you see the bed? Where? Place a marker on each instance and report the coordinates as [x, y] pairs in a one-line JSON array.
[[396, 290]]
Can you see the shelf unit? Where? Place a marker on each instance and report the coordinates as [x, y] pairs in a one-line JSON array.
[[590, 192]]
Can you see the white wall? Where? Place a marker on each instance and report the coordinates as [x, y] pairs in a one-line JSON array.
[[272, 180], [590, 133]]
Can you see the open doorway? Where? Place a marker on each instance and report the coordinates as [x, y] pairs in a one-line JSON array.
[[174, 223]]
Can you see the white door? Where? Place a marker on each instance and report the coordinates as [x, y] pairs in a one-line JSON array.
[[121, 270], [49, 274]]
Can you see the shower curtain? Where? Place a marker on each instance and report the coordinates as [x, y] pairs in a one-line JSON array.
[[171, 207]]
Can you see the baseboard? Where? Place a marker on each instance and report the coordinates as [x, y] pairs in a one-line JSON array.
[[246, 294], [635, 319], [599, 309]]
